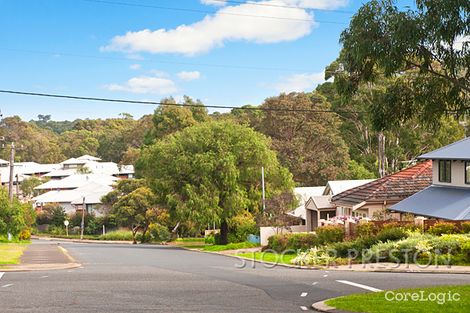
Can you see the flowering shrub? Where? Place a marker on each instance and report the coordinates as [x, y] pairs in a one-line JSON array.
[[314, 256]]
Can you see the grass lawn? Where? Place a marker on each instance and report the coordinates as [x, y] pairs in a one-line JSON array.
[[10, 253], [268, 256], [377, 302], [230, 246]]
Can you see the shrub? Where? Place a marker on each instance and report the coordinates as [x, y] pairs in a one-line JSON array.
[[366, 229], [117, 235], [241, 226], [443, 228], [466, 251], [330, 234], [347, 248], [465, 227], [209, 240], [295, 241], [314, 256], [25, 234], [391, 234], [159, 232]]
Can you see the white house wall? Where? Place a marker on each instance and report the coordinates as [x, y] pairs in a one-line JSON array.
[[457, 174]]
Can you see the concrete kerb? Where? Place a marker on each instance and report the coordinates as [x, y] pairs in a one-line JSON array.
[[85, 240], [321, 306]]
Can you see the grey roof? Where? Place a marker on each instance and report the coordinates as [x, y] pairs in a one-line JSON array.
[[459, 150], [323, 202], [443, 202]]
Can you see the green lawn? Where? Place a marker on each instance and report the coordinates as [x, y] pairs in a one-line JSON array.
[[377, 302], [230, 246], [10, 253], [269, 257]]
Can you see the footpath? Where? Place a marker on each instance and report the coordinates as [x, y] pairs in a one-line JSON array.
[[41, 256]]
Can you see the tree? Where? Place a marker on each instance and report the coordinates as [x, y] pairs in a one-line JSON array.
[[211, 172], [15, 217], [169, 117], [27, 186], [136, 210], [76, 143], [431, 44], [309, 144]]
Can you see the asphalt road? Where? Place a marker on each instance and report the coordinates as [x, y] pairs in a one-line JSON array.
[[125, 278]]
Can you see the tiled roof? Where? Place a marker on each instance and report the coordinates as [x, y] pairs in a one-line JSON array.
[[394, 187]]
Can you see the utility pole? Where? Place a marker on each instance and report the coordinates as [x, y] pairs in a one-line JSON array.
[[12, 167], [264, 192], [82, 226]]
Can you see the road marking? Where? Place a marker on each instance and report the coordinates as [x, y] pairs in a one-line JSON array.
[[359, 285], [44, 276], [304, 308], [304, 294], [5, 286], [326, 275], [1, 274], [314, 283]]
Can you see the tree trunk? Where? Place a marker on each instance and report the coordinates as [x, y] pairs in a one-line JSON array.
[[223, 232], [381, 154]]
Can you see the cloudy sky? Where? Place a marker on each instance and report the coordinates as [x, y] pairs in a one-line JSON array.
[[222, 52]]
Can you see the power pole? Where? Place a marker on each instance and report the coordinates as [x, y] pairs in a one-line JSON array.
[[12, 167], [264, 192], [82, 226]]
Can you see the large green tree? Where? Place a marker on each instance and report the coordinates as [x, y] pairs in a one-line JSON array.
[[212, 172], [309, 144], [430, 43]]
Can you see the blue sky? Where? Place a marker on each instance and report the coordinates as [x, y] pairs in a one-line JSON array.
[[138, 51]]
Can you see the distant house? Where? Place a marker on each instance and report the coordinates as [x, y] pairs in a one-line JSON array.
[[382, 193], [448, 197], [319, 207], [303, 194], [72, 199]]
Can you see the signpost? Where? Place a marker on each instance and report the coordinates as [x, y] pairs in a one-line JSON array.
[[66, 223]]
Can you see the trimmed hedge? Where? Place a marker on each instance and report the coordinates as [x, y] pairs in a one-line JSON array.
[[443, 228], [330, 234], [296, 241]]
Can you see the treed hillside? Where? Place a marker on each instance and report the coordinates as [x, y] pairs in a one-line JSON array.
[[315, 146]]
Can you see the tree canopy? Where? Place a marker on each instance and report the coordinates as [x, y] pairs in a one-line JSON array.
[[425, 51], [212, 171]]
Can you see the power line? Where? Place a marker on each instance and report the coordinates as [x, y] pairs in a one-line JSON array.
[[26, 93], [211, 12], [229, 66], [282, 6]]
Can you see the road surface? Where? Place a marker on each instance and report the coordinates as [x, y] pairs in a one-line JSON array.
[[145, 278]]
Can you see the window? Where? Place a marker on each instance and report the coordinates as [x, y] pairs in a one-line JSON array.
[[467, 172], [445, 171]]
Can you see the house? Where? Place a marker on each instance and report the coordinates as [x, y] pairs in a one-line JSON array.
[[377, 195], [303, 194], [448, 197], [319, 207], [76, 181], [73, 199]]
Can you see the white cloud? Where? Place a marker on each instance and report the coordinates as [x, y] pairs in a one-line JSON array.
[[214, 30], [188, 76], [214, 2], [145, 85], [300, 82], [134, 66]]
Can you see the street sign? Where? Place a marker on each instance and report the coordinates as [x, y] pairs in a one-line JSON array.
[[66, 223]]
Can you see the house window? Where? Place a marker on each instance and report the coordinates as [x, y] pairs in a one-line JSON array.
[[445, 171], [467, 172]]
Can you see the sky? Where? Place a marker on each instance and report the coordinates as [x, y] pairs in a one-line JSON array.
[[222, 52]]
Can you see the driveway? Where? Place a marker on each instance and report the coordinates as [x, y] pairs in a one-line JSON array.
[[126, 278]]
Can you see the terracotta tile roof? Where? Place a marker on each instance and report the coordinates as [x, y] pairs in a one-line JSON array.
[[394, 187]]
